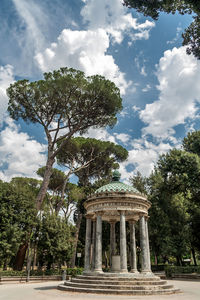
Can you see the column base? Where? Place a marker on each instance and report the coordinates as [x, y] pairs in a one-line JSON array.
[[85, 272], [135, 271], [97, 271], [123, 271], [147, 273]]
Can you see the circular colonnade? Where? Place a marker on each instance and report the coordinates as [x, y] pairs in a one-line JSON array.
[[112, 203]]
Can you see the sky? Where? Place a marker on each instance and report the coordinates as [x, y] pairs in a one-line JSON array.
[[159, 83]]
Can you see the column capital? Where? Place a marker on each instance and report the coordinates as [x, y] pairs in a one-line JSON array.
[[98, 213], [122, 211], [88, 216], [112, 221], [142, 215], [132, 222]]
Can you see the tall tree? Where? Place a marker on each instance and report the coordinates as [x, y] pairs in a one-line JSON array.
[[17, 217], [139, 182], [55, 239], [191, 143], [65, 102]]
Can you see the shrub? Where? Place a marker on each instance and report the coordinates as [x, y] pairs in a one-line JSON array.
[[69, 271], [170, 270], [74, 271], [157, 268]]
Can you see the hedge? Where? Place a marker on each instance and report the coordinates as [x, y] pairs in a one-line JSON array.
[[157, 268], [170, 270], [69, 271]]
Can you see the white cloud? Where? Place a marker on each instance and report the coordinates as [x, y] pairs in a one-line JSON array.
[[123, 137], [178, 35], [31, 37], [84, 50], [124, 113], [100, 134], [142, 157], [6, 77], [34, 18], [87, 49], [143, 71], [113, 17], [20, 154], [146, 88], [179, 76], [135, 108], [140, 63]]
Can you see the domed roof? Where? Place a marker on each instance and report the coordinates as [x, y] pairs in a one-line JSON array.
[[116, 186]]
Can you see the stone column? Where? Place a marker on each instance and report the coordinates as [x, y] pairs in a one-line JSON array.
[[98, 246], [133, 248], [93, 243], [112, 241], [87, 245], [123, 254], [148, 250], [143, 246]]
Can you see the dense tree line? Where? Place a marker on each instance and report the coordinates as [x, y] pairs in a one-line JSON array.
[[173, 189], [50, 237]]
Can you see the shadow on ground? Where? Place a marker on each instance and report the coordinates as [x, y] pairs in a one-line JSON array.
[[45, 288]]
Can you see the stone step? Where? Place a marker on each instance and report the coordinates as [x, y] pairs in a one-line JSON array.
[[116, 281], [117, 287], [117, 291], [123, 278]]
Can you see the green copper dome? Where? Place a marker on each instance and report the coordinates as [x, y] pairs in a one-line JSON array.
[[116, 186]]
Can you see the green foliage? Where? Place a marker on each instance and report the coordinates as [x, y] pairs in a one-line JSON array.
[[191, 37], [139, 182], [191, 143], [157, 268], [65, 95], [56, 179], [17, 214], [173, 189], [171, 270], [91, 158], [154, 7], [180, 170], [69, 271], [55, 240], [74, 271]]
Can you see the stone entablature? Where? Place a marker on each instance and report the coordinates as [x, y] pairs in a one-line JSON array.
[[110, 204]]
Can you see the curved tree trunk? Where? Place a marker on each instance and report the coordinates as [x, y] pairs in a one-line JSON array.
[[19, 260], [45, 183], [60, 203], [78, 225]]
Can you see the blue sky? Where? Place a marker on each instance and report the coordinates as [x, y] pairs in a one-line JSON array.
[[159, 83]]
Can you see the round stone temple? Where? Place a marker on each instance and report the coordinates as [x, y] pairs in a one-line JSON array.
[[112, 203]]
